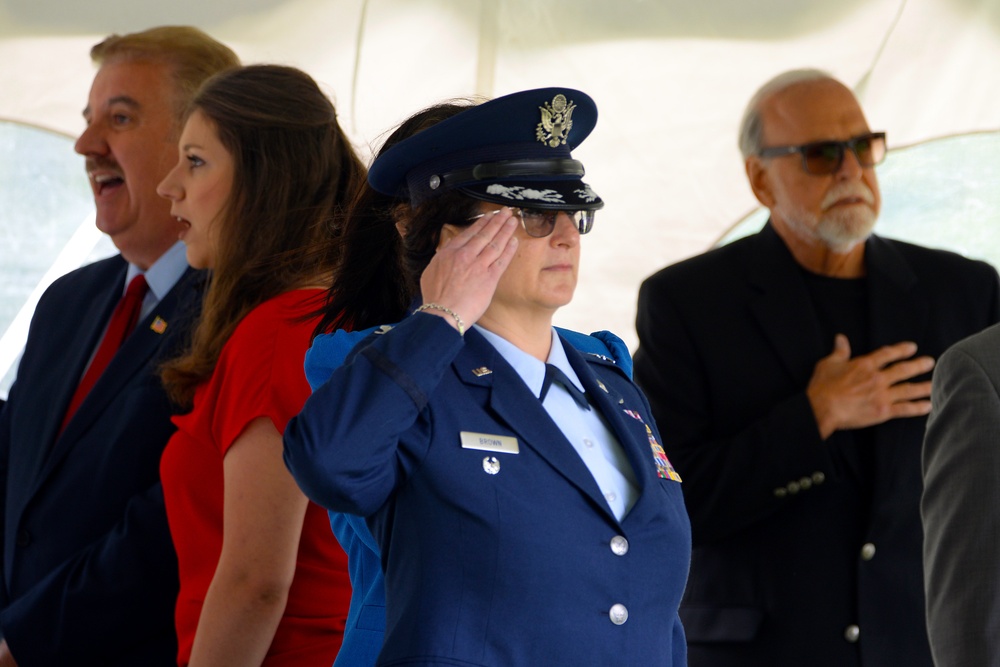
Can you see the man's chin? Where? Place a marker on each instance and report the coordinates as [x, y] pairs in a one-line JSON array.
[[842, 233]]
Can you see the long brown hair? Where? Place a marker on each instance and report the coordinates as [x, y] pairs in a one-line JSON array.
[[293, 167], [378, 272]]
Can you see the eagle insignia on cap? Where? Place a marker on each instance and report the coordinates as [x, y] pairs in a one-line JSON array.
[[557, 121]]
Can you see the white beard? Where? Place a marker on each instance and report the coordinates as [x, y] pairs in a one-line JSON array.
[[839, 229], [842, 229]]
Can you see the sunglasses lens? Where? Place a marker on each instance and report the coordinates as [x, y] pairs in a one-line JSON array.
[[823, 157], [870, 150], [538, 222], [584, 220]]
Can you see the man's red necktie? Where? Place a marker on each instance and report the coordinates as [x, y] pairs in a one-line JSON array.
[[123, 321]]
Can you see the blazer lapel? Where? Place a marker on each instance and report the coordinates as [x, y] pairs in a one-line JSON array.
[[516, 407], [783, 308], [137, 351], [896, 309], [85, 327], [897, 312]]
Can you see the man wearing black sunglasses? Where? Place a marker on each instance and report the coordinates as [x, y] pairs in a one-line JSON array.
[[789, 374]]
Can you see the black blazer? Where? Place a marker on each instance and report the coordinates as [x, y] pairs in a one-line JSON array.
[[89, 571], [780, 572]]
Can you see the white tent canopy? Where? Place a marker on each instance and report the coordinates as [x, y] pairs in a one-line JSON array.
[[670, 78]]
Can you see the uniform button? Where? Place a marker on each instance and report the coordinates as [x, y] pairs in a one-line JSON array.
[[818, 477], [805, 483], [588, 443], [781, 492], [23, 538], [611, 496], [793, 487], [619, 545], [618, 614], [868, 551], [852, 633]]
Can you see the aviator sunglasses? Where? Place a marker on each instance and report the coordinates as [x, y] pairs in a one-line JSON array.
[[539, 222], [825, 157]]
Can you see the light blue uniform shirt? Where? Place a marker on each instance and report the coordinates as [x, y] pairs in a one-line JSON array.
[[585, 429]]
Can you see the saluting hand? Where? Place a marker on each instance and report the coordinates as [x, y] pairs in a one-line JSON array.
[[870, 389], [465, 270]]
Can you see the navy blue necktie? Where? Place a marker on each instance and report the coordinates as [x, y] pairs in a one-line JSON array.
[[553, 374]]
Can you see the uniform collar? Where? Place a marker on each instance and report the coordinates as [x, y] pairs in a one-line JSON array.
[[530, 369]]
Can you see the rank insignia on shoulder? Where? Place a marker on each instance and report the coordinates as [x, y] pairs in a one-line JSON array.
[[481, 371], [159, 325], [602, 357], [385, 328]]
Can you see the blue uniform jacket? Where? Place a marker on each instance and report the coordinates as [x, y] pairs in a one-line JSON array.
[[365, 628], [521, 567]]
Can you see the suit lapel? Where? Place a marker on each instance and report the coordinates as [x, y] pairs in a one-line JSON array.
[[516, 407], [84, 325], [896, 309], [137, 351], [897, 312], [783, 308]]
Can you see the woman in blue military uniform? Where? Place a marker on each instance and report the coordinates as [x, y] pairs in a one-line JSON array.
[[517, 490]]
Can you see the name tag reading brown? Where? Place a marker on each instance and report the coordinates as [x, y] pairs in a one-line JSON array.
[[504, 444]]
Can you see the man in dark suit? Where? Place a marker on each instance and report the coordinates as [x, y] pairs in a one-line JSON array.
[[961, 505], [783, 373], [89, 573]]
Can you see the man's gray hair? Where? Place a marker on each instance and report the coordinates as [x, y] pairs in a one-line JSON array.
[[752, 127]]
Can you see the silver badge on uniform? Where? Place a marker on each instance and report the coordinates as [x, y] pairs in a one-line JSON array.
[[491, 465]]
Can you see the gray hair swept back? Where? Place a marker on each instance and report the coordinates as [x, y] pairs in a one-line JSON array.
[[751, 136]]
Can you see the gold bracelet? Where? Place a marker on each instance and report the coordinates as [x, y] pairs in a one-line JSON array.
[[446, 311]]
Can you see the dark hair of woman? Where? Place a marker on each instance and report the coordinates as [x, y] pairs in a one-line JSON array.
[[293, 169], [378, 272]]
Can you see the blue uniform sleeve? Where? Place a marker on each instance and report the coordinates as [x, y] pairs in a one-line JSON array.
[[342, 448], [328, 353]]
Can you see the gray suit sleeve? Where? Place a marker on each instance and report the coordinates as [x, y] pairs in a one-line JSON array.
[[960, 506]]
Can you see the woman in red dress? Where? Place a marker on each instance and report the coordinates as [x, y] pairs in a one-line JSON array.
[[262, 168]]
